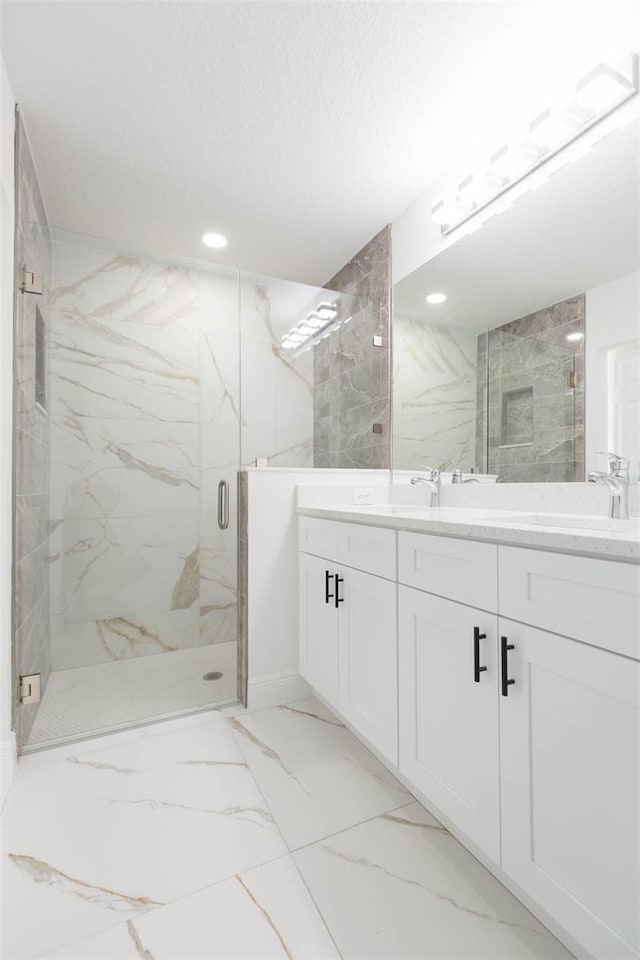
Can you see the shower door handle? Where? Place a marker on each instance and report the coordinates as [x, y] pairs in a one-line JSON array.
[[223, 504]]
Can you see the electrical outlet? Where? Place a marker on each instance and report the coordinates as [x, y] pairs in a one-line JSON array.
[[362, 495]]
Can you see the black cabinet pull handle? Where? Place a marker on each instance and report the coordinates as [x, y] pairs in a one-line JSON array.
[[477, 669], [327, 594], [338, 598], [506, 682]]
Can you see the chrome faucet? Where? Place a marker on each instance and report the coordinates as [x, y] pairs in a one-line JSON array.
[[432, 481], [456, 477], [617, 481]]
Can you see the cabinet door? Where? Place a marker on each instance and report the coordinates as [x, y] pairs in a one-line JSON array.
[[368, 656], [570, 738], [318, 642], [449, 745]]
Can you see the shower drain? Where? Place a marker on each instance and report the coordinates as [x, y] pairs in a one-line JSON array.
[[213, 675]]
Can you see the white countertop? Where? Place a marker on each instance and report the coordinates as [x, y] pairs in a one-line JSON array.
[[585, 535]]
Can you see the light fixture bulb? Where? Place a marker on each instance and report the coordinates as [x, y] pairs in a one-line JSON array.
[[436, 298], [327, 311], [449, 211], [601, 87], [475, 190], [575, 337], [509, 163], [550, 129], [214, 240]]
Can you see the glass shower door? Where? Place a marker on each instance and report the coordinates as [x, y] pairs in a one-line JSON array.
[[144, 438]]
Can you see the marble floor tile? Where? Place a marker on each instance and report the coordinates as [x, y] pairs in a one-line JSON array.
[[315, 775], [402, 886], [102, 837], [113, 739], [263, 913]]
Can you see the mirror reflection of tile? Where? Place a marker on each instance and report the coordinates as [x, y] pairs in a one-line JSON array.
[[536, 395]]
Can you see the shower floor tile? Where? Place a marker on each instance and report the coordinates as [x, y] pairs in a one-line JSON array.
[[111, 695]]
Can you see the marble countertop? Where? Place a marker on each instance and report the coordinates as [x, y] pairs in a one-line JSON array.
[[588, 536]]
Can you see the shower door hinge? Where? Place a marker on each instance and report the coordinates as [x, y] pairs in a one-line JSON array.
[[29, 690], [31, 280]]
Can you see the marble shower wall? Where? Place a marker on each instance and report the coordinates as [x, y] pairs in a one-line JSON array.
[[435, 386], [351, 375], [148, 416], [32, 650], [144, 421], [277, 391], [536, 419]]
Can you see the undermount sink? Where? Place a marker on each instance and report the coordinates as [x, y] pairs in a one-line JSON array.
[[570, 522]]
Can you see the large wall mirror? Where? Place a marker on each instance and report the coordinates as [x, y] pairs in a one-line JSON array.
[[531, 365]]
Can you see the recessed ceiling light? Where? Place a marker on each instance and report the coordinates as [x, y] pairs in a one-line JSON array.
[[574, 337], [215, 240], [436, 298]]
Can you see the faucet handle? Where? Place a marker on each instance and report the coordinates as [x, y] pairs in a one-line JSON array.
[[432, 472], [616, 462]]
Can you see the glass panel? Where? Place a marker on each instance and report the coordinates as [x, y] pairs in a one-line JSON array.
[[144, 419], [312, 377]]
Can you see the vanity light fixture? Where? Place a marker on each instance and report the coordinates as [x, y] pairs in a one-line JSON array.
[[214, 240], [600, 91], [603, 88], [552, 128], [436, 298], [318, 324]]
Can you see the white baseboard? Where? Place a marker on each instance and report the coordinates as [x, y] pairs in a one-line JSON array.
[[8, 764], [278, 688]]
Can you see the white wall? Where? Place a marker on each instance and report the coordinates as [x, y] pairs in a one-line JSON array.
[[612, 317], [273, 575], [7, 739]]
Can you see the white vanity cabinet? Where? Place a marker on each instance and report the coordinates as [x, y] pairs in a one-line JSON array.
[[448, 698], [569, 773], [318, 642], [348, 629], [517, 710]]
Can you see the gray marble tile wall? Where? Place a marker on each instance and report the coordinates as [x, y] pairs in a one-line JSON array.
[[32, 651], [351, 375], [536, 418]]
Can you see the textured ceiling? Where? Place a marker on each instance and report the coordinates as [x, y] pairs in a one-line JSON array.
[[298, 129]]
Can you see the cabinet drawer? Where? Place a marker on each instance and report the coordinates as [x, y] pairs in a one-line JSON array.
[[318, 537], [372, 549], [462, 570], [596, 601]]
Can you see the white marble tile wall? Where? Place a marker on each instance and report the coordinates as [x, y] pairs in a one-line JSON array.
[[434, 395], [145, 421], [148, 416], [277, 391]]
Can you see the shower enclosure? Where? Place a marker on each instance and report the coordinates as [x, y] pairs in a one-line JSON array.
[[160, 381]]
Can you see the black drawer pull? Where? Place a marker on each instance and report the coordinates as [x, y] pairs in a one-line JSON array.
[[477, 669], [339, 599], [504, 656], [327, 594]]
